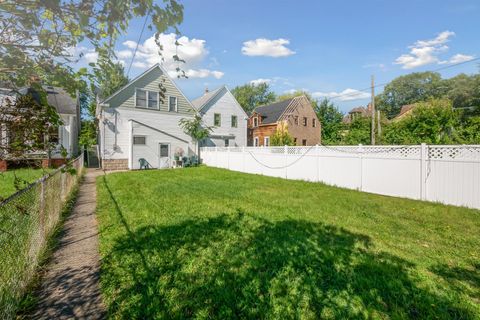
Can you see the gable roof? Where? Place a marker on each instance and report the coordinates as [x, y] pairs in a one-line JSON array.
[[155, 66], [202, 101], [271, 113]]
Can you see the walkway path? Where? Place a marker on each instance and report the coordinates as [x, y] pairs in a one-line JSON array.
[[70, 287]]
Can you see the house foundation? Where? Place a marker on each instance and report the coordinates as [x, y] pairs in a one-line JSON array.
[[115, 164]]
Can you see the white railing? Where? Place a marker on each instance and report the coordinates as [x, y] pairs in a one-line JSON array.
[[447, 174]]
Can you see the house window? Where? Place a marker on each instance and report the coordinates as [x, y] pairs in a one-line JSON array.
[[173, 104], [217, 120], [146, 99], [227, 142], [295, 141], [304, 142], [305, 121], [255, 142], [255, 122], [139, 140], [141, 98], [234, 121], [266, 141], [314, 122], [152, 100], [295, 119]]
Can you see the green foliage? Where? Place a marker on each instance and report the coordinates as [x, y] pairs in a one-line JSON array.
[[408, 89], [432, 122], [218, 244], [281, 137], [88, 135], [37, 35], [358, 132], [196, 129], [331, 120], [251, 96]]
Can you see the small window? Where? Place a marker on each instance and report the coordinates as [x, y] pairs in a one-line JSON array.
[[152, 100], [314, 122], [172, 104], [304, 142], [141, 98], [234, 121], [255, 122], [227, 142], [164, 150], [139, 140], [305, 121], [295, 119], [266, 141], [255, 142], [295, 141], [217, 120]]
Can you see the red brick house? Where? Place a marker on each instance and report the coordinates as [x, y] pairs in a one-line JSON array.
[[295, 114]]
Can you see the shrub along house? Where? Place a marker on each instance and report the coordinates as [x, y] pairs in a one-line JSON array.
[[295, 114], [141, 121], [63, 137], [219, 109]]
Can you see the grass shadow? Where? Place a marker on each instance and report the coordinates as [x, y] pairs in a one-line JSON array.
[[242, 266]]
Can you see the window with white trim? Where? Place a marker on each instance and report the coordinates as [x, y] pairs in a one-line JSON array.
[[146, 99], [173, 104], [255, 142], [314, 122], [234, 122], [255, 122], [217, 119], [266, 141], [139, 140]]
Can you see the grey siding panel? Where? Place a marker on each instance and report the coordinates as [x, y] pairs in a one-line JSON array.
[[151, 82]]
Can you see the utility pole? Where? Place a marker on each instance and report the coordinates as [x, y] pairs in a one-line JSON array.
[[372, 133]]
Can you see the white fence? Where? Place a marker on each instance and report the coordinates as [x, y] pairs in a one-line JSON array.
[[447, 174]]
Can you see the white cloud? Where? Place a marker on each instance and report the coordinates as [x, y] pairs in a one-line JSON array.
[[258, 81], [424, 52], [193, 51], [459, 58], [266, 47], [346, 95], [91, 56]]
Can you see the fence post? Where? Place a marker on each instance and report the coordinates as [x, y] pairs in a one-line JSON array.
[[317, 155], [216, 157], [423, 171], [285, 151], [360, 150], [243, 158], [228, 158]]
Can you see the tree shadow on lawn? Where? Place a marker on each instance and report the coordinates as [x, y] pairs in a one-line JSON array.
[[242, 266]]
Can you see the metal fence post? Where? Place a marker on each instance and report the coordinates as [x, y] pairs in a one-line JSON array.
[[423, 171]]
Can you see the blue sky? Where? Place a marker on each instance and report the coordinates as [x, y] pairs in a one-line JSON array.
[[319, 46]]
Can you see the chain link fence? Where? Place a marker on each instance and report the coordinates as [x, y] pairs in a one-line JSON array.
[[27, 219]]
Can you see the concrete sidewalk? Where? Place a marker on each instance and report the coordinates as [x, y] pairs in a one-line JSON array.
[[70, 286]]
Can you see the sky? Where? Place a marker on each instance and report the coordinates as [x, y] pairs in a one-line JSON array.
[[327, 48]]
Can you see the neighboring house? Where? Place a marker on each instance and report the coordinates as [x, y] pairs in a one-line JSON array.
[[219, 109], [65, 136], [357, 112], [405, 111], [137, 123], [296, 114]]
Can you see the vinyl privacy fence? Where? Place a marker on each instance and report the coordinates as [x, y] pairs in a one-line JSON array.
[[27, 219], [447, 174]]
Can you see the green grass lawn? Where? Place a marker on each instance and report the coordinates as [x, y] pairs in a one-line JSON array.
[[26, 176], [210, 243]]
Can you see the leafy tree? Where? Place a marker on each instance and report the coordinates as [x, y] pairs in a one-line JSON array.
[[358, 132], [281, 137], [331, 121], [432, 122], [107, 77], [408, 89], [196, 129], [88, 134], [38, 37], [463, 90], [251, 96]]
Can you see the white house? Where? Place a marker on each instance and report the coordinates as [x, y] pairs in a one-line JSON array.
[[220, 109], [63, 137], [141, 121]]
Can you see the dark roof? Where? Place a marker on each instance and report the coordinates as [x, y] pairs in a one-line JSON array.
[[61, 100], [272, 112]]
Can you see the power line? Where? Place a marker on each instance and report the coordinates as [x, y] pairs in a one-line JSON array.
[[138, 43], [358, 92]]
